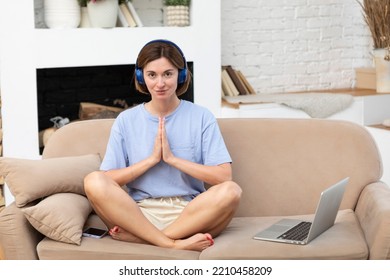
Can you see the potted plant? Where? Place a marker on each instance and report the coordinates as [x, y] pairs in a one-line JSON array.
[[85, 21], [83, 3], [376, 14], [176, 12], [102, 13]]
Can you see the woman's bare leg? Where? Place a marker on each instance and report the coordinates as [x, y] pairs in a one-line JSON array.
[[209, 212], [116, 208]]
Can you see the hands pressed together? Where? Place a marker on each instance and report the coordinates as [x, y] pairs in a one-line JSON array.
[[162, 150]]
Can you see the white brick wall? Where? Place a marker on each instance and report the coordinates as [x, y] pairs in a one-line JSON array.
[[294, 45]]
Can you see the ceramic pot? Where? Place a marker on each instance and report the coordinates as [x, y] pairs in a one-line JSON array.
[[176, 16], [103, 13], [61, 13], [84, 22]]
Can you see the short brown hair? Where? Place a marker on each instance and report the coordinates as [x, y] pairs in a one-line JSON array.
[[157, 49]]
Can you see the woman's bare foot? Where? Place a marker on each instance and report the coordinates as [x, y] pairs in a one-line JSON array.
[[118, 233], [197, 242]]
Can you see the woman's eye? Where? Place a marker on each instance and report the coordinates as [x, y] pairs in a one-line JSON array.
[[151, 75]]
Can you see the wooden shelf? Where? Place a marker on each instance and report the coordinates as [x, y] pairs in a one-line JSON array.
[[380, 126], [352, 91]]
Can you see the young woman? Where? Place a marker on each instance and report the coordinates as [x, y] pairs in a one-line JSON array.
[[164, 151]]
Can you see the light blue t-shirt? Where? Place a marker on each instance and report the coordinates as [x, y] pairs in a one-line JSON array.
[[193, 134]]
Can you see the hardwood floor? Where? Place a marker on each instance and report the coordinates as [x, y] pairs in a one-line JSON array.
[[2, 206]]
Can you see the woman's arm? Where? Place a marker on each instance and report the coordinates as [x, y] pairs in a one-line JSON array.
[[124, 175], [211, 175]]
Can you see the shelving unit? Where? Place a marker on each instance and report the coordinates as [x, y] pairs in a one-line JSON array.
[[25, 49], [368, 108]]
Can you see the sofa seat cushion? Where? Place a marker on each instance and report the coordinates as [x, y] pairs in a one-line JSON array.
[[344, 240], [107, 248]]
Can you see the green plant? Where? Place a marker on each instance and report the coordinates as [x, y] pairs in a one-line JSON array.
[[83, 3], [177, 2], [376, 14]]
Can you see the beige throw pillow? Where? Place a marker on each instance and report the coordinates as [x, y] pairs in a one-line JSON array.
[[29, 180], [60, 216]]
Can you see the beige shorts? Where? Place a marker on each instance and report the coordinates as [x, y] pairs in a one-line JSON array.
[[161, 212]]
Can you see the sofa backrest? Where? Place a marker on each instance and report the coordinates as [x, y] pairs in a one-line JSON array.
[[79, 138], [282, 165]]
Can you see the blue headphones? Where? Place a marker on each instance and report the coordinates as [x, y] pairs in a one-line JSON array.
[[182, 72]]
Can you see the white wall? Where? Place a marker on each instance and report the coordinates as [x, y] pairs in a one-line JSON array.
[[295, 45], [285, 45]]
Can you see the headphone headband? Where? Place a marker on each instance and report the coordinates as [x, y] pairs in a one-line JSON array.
[[182, 77]]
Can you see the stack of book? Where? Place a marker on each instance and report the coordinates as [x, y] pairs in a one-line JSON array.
[[234, 82], [127, 16]]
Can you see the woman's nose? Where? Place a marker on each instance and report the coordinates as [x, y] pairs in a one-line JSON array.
[[160, 81]]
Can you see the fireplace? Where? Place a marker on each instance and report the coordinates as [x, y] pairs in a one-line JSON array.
[[60, 91]]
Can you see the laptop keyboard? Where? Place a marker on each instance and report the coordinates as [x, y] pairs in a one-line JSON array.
[[299, 232]]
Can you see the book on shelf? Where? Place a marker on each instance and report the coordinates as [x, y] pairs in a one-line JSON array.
[[121, 21], [125, 17], [234, 82], [225, 90], [134, 13], [228, 87], [248, 86]]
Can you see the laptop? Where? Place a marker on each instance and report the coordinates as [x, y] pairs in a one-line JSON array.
[[295, 231]]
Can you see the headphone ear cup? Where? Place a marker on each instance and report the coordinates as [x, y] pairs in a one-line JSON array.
[[182, 76], [139, 76]]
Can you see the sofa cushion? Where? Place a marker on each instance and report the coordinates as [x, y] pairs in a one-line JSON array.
[[345, 240], [29, 180], [60, 216], [107, 248], [342, 241]]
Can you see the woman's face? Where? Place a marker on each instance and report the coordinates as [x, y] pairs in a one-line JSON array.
[[161, 77]]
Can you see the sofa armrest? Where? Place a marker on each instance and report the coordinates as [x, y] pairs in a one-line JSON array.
[[18, 239], [373, 212]]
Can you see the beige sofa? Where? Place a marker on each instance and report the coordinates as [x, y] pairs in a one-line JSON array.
[[282, 166]]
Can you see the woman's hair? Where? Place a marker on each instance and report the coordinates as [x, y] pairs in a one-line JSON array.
[[157, 49]]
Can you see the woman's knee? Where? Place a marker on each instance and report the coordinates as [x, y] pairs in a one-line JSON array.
[[230, 192], [92, 182]]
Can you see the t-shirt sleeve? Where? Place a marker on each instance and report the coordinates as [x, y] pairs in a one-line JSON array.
[[214, 149], [115, 156]]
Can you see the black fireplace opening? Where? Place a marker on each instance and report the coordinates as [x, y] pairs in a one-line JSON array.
[[61, 90]]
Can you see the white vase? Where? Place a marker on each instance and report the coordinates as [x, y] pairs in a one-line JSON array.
[[103, 13], [84, 22], [382, 70], [177, 16], [62, 13]]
